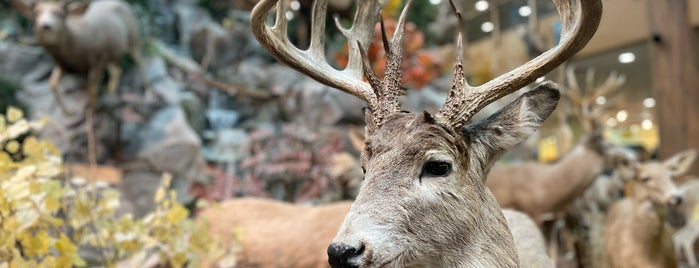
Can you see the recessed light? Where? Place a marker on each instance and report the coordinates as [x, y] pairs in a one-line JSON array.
[[487, 27], [627, 57], [601, 100], [295, 5], [525, 11], [622, 115], [482, 5], [649, 102], [435, 2], [647, 124]]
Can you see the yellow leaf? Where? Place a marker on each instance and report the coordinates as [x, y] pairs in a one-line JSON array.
[[12, 146], [24, 172], [14, 114], [27, 218], [159, 194], [48, 169], [176, 214], [3, 123], [35, 245], [167, 178]]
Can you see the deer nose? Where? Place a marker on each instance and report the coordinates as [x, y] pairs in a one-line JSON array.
[[342, 255], [675, 200], [46, 27]]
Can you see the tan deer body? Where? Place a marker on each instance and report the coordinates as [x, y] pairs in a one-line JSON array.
[[686, 238], [539, 189], [277, 234], [636, 233], [542, 190], [423, 202], [85, 39]]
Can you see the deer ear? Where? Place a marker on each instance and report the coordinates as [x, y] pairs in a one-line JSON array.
[[681, 162], [76, 9], [24, 8], [492, 137]]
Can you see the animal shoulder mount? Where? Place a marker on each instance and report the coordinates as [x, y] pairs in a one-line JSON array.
[[423, 201]]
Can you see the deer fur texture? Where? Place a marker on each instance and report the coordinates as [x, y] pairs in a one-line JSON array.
[[636, 232], [686, 238], [301, 233], [86, 39], [542, 190], [403, 218]]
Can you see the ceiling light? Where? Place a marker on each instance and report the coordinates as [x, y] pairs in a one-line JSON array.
[[482, 5], [295, 5], [289, 15], [649, 102], [435, 2], [487, 27], [647, 124], [627, 57], [525, 11], [601, 100], [622, 115]]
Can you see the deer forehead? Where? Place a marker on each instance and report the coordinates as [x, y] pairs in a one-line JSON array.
[[48, 13], [415, 135]]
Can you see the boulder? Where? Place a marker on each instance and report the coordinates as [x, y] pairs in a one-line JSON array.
[[163, 144]]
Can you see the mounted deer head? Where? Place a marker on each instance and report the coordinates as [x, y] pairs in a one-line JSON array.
[[654, 180], [423, 200]]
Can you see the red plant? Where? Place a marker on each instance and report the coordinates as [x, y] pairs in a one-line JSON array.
[[419, 65]]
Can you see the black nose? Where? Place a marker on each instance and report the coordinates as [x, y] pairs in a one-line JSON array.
[[339, 255], [675, 200], [46, 27]]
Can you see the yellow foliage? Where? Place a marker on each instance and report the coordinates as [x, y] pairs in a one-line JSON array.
[[46, 218], [391, 8]]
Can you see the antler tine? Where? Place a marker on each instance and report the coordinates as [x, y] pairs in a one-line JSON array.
[[578, 28], [611, 85], [589, 82], [572, 90], [459, 86], [312, 62], [392, 86]]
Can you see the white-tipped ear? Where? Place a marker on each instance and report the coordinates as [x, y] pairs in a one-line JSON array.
[[681, 162], [497, 134], [24, 8]]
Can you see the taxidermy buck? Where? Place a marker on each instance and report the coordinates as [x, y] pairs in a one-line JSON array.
[[85, 38], [544, 191], [636, 234], [423, 201]]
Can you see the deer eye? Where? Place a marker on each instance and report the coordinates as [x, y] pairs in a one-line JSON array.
[[644, 178], [436, 169]]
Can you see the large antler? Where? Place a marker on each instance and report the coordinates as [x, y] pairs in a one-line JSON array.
[[312, 61], [584, 98], [578, 26]]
